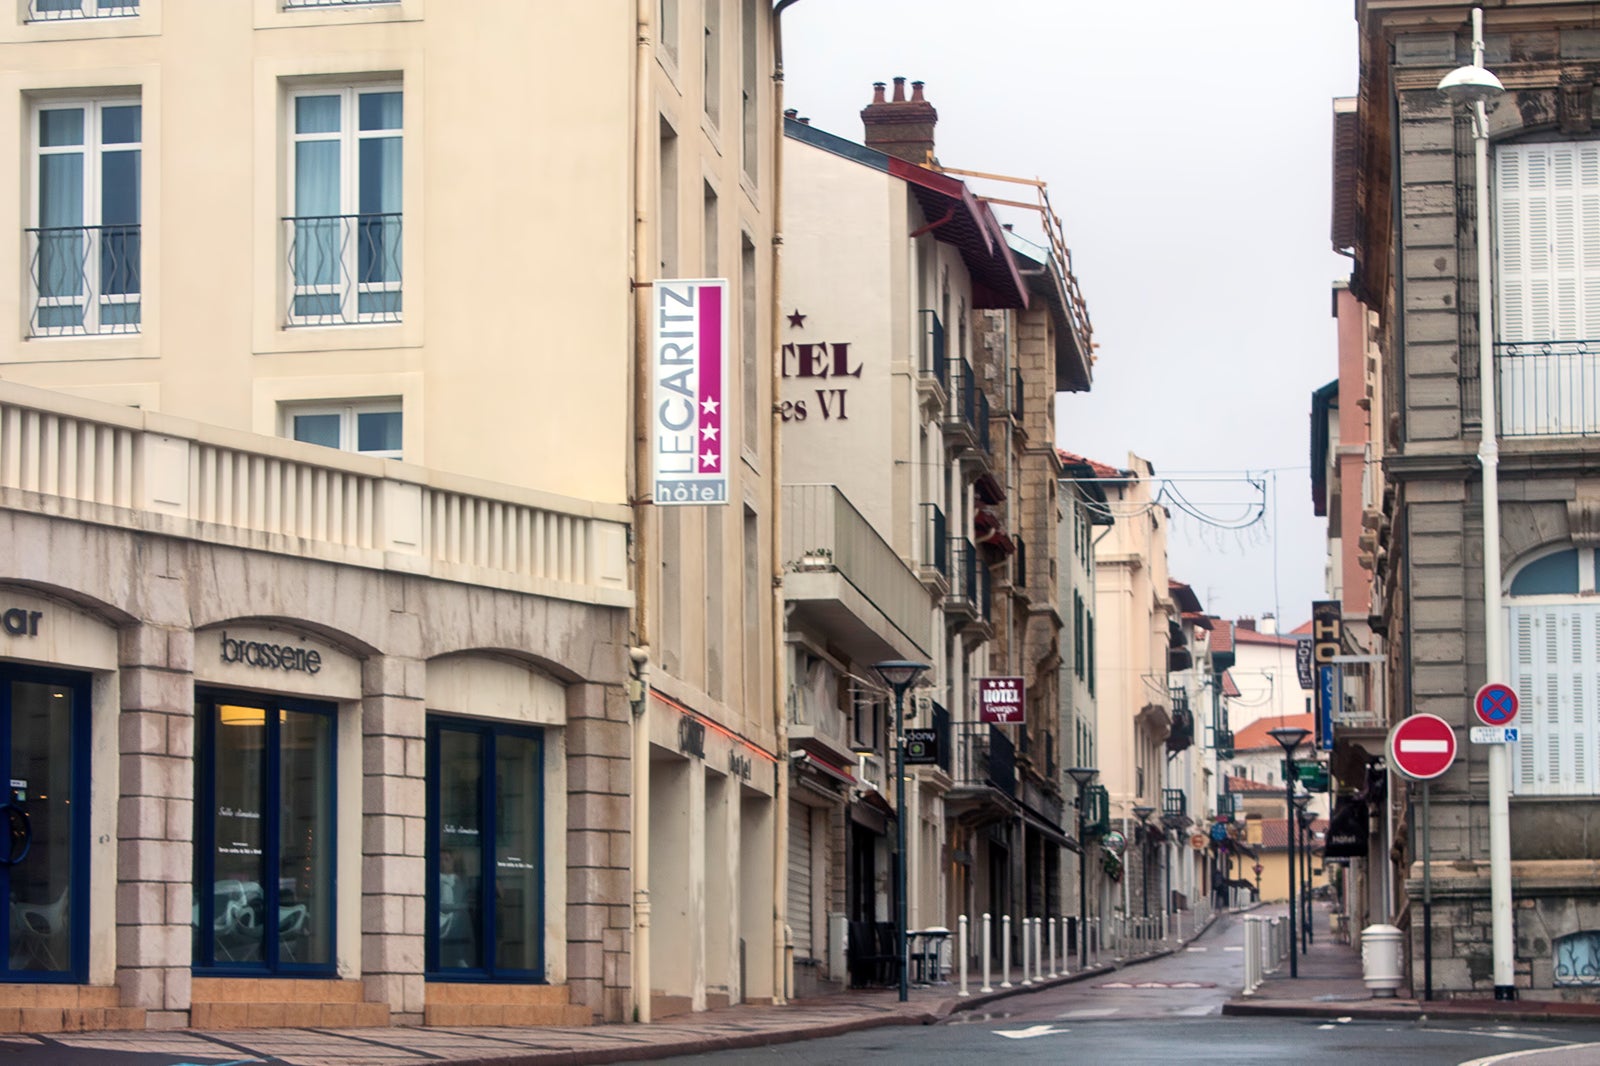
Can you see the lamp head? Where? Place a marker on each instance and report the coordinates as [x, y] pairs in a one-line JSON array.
[[899, 674], [1470, 84], [1142, 812], [1082, 775], [1288, 736]]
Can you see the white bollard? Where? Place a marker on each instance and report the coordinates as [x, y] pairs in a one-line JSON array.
[[1027, 947], [1005, 951], [1054, 973], [988, 954], [961, 952], [1038, 949]]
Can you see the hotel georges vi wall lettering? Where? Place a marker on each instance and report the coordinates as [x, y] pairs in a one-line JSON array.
[[820, 361]]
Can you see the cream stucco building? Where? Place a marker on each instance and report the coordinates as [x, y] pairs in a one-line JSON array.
[[325, 508]]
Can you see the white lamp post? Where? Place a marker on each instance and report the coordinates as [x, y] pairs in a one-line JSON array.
[[1474, 86]]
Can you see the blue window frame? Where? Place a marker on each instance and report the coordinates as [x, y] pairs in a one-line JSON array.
[[485, 855], [44, 831], [265, 834]]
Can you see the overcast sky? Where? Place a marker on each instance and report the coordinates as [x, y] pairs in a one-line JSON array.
[[1187, 148]]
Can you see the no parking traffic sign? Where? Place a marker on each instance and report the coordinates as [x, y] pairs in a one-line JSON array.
[[1422, 746], [1495, 704]]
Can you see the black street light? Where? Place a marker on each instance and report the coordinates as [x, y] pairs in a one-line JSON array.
[[900, 675], [1082, 776], [1289, 738], [1143, 813]]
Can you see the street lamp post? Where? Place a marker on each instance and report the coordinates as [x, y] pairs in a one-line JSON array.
[[1474, 87], [1143, 813], [1082, 776], [1289, 738], [1303, 825], [900, 675]]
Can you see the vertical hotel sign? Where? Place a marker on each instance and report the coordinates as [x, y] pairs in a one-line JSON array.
[[689, 365]]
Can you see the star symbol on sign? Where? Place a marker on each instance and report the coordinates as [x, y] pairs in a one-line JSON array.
[[708, 432], [709, 458], [797, 320], [709, 404]]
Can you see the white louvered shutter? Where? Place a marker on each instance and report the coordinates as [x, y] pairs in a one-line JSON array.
[[800, 917], [1556, 671]]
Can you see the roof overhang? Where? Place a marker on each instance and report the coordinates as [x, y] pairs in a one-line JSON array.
[[969, 226]]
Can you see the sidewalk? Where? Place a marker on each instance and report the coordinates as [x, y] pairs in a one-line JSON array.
[[718, 1030], [1330, 986]]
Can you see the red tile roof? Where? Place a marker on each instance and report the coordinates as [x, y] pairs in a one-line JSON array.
[[1221, 635], [1250, 636], [1303, 629], [1100, 469], [1244, 784], [1253, 737], [1275, 834], [1229, 686], [1183, 596]]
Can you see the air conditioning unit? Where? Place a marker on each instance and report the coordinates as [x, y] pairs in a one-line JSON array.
[[869, 771]]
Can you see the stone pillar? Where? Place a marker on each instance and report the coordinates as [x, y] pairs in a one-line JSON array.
[[393, 834], [599, 850], [155, 821]]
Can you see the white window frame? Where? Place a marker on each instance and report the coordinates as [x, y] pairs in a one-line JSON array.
[[93, 150], [1553, 658], [86, 9], [292, 5], [349, 135], [349, 413]]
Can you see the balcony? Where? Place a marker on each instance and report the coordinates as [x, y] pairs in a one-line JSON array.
[[932, 369], [145, 472], [985, 759], [1174, 803], [964, 600], [1016, 394], [1549, 388], [1181, 735], [291, 4], [981, 425], [1222, 743], [343, 269], [85, 280], [940, 720], [53, 10], [848, 581], [961, 416]]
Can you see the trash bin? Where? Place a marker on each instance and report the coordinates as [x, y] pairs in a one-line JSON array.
[[1380, 959]]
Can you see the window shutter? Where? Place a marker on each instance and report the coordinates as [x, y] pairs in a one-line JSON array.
[[1523, 190], [1588, 153], [1564, 240], [1524, 678], [800, 916]]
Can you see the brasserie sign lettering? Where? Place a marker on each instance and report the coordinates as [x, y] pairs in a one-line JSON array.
[[266, 656], [21, 623]]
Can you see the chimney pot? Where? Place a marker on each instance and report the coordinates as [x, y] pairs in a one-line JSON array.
[[899, 90], [790, 112], [916, 91], [805, 121], [877, 92]]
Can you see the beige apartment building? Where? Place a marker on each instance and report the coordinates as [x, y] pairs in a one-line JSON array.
[[325, 508]]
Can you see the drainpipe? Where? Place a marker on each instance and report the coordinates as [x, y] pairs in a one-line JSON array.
[[644, 186], [780, 786]]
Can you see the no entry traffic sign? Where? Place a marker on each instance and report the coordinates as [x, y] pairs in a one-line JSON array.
[[1495, 704], [1422, 746]]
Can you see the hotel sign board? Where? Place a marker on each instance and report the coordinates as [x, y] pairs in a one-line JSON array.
[[1000, 700], [689, 374]]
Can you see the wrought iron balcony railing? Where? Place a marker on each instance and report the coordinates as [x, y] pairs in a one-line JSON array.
[[343, 269], [985, 757], [1549, 388], [937, 539], [53, 10], [932, 363], [961, 416], [85, 280], [981, 418], [1019, 572], [1016, 394], [1222, 743], [1174, 802], [964, 594], [334, 3], [941, 726]]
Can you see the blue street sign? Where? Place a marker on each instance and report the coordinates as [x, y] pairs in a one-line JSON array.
[[1219, 832], [1327, 700], [1495, 704]]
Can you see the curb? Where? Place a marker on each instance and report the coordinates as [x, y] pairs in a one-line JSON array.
[[1413, 1011]]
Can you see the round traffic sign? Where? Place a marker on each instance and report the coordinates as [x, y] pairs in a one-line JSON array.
[[1422, 746], [1495, 704]]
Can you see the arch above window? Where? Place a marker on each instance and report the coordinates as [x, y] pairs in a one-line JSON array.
[[1559, 573]]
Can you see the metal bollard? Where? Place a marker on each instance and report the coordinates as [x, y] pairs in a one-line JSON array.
[[1005, 951], [988, 953], [1054, 973], [1027, 946], [1252, 954], [961, 952]]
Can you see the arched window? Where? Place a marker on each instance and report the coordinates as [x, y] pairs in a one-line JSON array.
[[1554, 630]]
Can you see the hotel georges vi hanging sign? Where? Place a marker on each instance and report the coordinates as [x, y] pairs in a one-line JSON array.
[[689, 372]]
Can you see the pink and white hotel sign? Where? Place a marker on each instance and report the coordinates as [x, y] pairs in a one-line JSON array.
[[689, 355]]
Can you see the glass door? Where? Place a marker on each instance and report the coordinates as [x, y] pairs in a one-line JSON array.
[[485, 851], [44, 731]]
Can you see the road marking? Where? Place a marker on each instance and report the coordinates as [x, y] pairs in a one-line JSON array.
[[1194, 949], [1088, 1012], [1030, 1032], [1233, 947]]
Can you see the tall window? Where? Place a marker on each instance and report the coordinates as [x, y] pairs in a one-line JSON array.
[[1555, 668], [667, 235], [264, 834], [750, 362], [344, 229], [710, 233], [84, 244], [1548, 292], [372, 428], [713, 61], [485, 850], [749, 88]]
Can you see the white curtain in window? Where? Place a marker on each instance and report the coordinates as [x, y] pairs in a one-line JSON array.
[[61, 240]]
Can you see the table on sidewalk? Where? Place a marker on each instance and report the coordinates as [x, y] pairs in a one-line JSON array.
[[931, 955]]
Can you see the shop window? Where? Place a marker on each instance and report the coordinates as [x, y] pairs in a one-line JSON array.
[[44, 825], [264, 834], [485, 851]]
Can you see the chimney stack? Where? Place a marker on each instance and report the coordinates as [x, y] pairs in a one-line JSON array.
[[1246, 624], [898, 126]]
